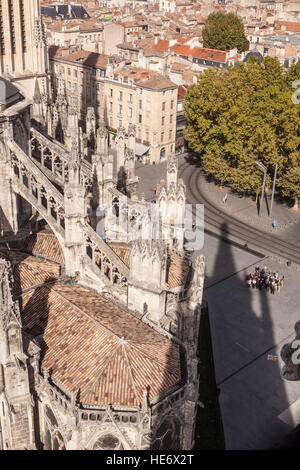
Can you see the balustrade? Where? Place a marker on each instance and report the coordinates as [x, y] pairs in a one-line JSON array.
[[34, 185], [56, 158]]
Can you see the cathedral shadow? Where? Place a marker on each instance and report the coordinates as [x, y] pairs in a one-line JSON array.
[[248, 376], [171, 426], [59, 132], [4, 224], [94, 202], [193, 158], [122, 181], [35, 313], [34, 308]]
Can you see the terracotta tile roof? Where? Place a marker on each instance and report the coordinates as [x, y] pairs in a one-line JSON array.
[[45, 244], [157, 82], [29, 271], [151, 53], [210, 54], [145, 78], [182, 49], [75, 25], [90, 344], [122, 250], [293, 26], [81, 57], [182, 92], [177, 67], [162, 45], [201, 52], [83, 346], [177, 270]]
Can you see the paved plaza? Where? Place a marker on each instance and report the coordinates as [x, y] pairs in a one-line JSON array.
[[247, 325]]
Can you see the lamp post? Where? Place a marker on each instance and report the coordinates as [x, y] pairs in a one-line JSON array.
[[274, 183], [264, 168]]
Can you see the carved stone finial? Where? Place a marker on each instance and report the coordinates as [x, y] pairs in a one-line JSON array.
[[121, 132], [172, 164], [131, 130], [9, 310], [90, 122], [102, 130]]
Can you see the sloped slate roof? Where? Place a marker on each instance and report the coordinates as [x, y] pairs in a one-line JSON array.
[[66, 11]]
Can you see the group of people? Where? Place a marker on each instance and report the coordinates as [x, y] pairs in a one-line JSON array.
[[265, 279]]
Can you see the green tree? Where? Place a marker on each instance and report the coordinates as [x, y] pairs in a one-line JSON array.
[[289, 183], [224, 31], [242, 115]]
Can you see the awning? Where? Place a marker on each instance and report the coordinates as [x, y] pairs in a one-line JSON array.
[[140, 149]]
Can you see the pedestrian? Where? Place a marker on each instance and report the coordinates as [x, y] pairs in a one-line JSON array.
[[225, 198], [273, 285], [155, 189]]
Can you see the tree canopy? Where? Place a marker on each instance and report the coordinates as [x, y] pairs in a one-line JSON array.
[[242, 115], [224, 31]]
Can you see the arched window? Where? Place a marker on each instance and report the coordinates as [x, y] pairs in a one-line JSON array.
[[167, 436], [162, 154], [108, 442], [48, 442]]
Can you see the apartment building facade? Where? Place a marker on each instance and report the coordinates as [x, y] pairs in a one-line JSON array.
[[121, 96], [147, 100], [79, 75]]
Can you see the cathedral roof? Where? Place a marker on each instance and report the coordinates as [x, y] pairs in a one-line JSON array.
[[44, 243], [29, 270], [91, 345]]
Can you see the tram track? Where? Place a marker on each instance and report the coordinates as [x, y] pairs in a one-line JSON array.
[[229, 226]]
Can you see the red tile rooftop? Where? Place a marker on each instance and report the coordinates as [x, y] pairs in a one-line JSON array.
[[182, 92], [292, 26], [90, 344], [93, 346], [30, 271], [45, 244], [162, 45], [82, 57]]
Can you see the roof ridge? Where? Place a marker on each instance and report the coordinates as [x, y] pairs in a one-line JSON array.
[[130, 372], [105, 365], [84, 313]]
